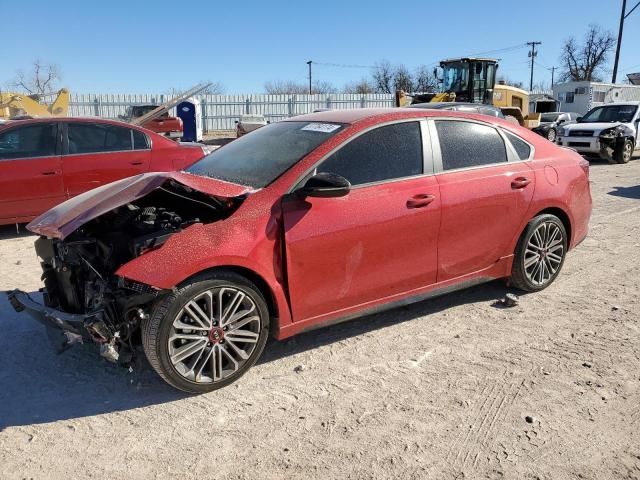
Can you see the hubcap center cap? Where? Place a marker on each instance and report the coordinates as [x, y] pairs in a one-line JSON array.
[[216, 334]]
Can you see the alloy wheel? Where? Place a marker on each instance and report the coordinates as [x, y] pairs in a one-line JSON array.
[[626, 152], [551, 135], [214, 334], [544, 253]]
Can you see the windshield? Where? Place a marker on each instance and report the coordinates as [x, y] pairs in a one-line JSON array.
[[455, 77], [549, 117], [610, 113], [258, 158]]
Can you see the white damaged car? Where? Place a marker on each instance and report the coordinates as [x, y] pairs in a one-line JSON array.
[[608, 131]]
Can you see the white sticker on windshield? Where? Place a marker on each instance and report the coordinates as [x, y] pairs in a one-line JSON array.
[[321, 127]]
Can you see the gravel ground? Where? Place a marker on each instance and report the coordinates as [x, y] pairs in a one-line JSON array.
[[454, 387]]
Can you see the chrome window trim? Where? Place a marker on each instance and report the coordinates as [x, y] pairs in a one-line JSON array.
[[29, 158], [427, 156], [512, 156]]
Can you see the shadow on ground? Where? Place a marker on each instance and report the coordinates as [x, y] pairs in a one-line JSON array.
[[38, 386], [627, 192], [14, 231]]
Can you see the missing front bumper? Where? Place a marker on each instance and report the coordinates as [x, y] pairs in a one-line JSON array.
[[50, 317]]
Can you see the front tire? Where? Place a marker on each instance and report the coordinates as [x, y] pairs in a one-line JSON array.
[[208, 333], [623, 153], [540, 254]]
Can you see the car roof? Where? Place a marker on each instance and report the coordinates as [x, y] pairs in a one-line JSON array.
[[387, 114], [635, 104], [436, 105], [30, 121]]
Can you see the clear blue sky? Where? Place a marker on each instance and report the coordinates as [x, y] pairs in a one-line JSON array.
[[115, 46]]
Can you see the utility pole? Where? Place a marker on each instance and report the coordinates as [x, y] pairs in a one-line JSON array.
[[623, 17], [553, 70], [309, 63], [532, 54]]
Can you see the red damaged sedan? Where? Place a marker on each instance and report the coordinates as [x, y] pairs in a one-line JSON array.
[[46, 161], [299, 224]]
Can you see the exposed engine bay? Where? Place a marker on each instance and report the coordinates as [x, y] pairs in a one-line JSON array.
[[79, 271]]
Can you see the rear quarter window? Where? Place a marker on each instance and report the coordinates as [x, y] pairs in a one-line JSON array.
[[521, 147]]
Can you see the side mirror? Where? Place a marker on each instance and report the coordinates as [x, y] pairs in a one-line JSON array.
[[236, 121], [579, 119], [325, 185], [561, 121]]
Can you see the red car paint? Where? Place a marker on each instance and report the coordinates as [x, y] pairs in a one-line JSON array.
[[325, 259], [30, 186]]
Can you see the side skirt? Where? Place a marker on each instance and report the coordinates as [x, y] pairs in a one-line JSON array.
[[501, 269]]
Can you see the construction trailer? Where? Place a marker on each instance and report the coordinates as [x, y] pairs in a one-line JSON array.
[[580, 97]]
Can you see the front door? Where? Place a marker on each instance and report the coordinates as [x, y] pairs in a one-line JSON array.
[[31, 179], [374, 244]]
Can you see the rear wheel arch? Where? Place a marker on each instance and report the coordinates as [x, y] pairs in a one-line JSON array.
[[558, 212]]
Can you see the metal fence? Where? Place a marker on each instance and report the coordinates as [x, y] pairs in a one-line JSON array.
[[219, 112]]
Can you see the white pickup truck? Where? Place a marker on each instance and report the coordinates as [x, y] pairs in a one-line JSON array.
[[608, 131]]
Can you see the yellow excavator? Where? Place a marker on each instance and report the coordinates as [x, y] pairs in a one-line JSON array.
[[16, 105], [473, 80]]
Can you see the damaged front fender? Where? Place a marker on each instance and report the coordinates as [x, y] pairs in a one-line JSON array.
[[612, 140]]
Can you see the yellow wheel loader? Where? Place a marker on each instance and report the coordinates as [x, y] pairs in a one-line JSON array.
[[14, 105]]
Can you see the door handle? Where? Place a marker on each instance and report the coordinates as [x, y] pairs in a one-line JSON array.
[[136, 163], [520, 182], [420, 200], [48, 173]]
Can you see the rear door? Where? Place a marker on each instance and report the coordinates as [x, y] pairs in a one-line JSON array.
[[376, 243], [486, 186], [100, 153], [31, 180]]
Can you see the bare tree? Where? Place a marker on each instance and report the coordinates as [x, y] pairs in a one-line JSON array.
[[362, 86], [507, 81], [587, 61], [214, 88], [424, 80], [41, 79], [290, 87], [402, 79], [383, 75]]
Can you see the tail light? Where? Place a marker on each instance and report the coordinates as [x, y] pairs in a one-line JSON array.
[[584, 164]]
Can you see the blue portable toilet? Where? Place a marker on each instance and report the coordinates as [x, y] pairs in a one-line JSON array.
[[190, 112]]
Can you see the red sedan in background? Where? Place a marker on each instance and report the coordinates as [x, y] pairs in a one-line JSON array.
[[302, 223], [44, 162]]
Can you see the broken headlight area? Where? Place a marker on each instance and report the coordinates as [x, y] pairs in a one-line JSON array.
[[83, 297], [613, 139]]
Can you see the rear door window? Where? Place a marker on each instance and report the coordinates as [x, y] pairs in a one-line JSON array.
[[468, 144], [98, 138], [140, 141], [386, 153], [29, 141]]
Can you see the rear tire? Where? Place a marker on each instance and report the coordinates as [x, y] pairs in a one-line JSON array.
[[208, 333], [623, 153], [540, 254]]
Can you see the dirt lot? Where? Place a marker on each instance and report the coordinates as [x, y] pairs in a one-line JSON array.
[[437, 390]]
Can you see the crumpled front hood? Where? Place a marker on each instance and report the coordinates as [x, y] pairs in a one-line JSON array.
[[64, 219]]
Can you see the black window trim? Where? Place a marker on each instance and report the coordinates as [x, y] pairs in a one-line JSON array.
[[59, 140], [64, 126], [427, 155], [512, 155]]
